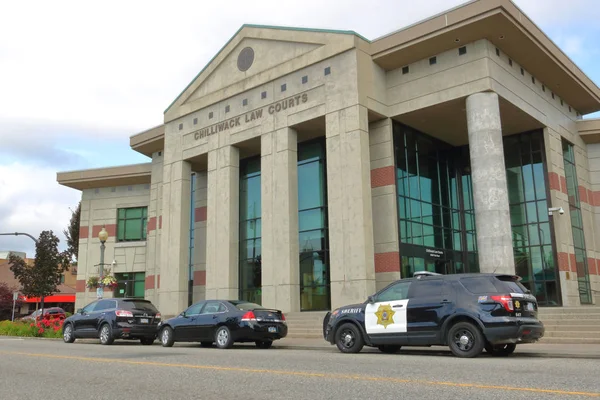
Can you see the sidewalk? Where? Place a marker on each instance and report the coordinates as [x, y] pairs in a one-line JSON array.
[[536, 349]]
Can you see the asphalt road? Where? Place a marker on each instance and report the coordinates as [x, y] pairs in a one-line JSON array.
[[46, 369]]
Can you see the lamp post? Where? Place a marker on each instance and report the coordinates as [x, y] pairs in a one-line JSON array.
[[103, 235], [17, 294]]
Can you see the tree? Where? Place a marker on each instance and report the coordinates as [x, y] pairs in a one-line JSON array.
[[42, 278], [72, 232], [6, 300]]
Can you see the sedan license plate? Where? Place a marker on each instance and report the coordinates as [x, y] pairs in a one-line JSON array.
[[143, 320], [272, 329], [529, 306]]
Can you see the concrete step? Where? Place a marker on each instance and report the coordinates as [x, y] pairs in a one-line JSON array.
[[569, 310], [569, 316], [576, 328], [304, 323], [304, 336], [573, 334], [560, 322], [562, 340]]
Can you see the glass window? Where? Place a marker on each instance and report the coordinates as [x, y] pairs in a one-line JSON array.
[[583, 278], [212, 307], [434, 194], [131, 284], [527, 192], [250, 249], [194, 309], [105, 305], [132, 224], [426, 288], [478, 285], [139, 304], [312, 226], [398, 291], [88, 309], [243, 305]]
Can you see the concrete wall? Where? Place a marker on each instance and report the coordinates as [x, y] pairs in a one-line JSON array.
[[98, 208]]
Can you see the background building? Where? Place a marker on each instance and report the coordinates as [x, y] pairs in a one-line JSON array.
[[64, 297], [305, 169]]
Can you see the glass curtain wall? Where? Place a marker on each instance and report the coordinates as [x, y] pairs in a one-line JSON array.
[[531, 231], [312, 222], [250, 231], [435, 203], [583, 277]]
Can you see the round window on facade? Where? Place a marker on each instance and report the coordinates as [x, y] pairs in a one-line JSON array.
[[245, 59]]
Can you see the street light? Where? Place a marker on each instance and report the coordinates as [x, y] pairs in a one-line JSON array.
[[103, 235], [16, 294]]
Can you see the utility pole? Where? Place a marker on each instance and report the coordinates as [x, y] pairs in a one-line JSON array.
[[36, 242]]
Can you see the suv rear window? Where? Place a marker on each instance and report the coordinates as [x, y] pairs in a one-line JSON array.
[[139, 305], [511, 285], [479, 285]]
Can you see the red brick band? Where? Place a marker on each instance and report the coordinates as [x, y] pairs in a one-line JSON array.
[[387, 262]]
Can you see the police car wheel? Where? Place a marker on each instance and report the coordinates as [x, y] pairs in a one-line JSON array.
[[348, 339], [465, 340], [500, 350], [389, 349]]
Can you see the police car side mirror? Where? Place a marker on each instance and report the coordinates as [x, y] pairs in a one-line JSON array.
[[371, 299]]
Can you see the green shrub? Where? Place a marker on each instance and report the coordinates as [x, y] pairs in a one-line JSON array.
[[45, 328]]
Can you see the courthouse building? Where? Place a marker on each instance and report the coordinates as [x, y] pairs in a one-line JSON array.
[[305, 169]]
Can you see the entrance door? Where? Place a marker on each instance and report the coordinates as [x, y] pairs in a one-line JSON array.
[[314, 281]]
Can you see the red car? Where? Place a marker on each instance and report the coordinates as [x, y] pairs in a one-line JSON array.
[[49, 313]]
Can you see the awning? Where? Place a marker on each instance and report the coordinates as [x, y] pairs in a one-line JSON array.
[[57, 298]]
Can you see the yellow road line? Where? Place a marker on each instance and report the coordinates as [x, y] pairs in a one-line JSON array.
[[308, 374]]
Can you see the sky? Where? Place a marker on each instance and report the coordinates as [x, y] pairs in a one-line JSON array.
[[78, 78]]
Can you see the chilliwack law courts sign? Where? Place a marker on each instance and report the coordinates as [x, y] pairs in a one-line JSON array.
[[285, 104]]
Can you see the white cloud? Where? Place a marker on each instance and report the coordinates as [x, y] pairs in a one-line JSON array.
[[31, 201]]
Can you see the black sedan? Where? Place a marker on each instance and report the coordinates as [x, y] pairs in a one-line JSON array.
[[110, 319], [224, 322]]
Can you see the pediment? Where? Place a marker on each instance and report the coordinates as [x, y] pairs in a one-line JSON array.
[[256, 55], [250, 57]]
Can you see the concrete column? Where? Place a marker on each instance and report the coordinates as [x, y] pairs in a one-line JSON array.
[[222, 232], [385, 202], [279, 196], [174, 241], [349, 206], [153, 238], [490, 194]]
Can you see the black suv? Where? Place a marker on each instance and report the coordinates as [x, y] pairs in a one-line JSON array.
[[111, 319], [467, 312]]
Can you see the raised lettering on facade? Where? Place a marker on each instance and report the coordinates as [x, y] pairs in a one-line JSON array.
[[251, 116]]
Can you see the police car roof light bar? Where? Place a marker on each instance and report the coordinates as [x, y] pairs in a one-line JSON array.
[[425, 273]]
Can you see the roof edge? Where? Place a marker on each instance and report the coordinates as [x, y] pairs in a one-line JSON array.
[[258, 26]]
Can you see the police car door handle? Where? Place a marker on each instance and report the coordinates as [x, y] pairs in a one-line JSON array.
[[398, 306], [446, 301]]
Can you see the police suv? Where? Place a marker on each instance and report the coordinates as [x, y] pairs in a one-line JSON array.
[[467, 312]]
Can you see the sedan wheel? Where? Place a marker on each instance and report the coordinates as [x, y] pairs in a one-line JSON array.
[[68, 335], [166, 337], [223, 338]]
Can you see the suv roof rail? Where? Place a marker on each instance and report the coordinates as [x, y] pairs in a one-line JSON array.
[[419, 274]]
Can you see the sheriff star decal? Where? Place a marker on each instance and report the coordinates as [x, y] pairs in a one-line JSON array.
[[385, 315]]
